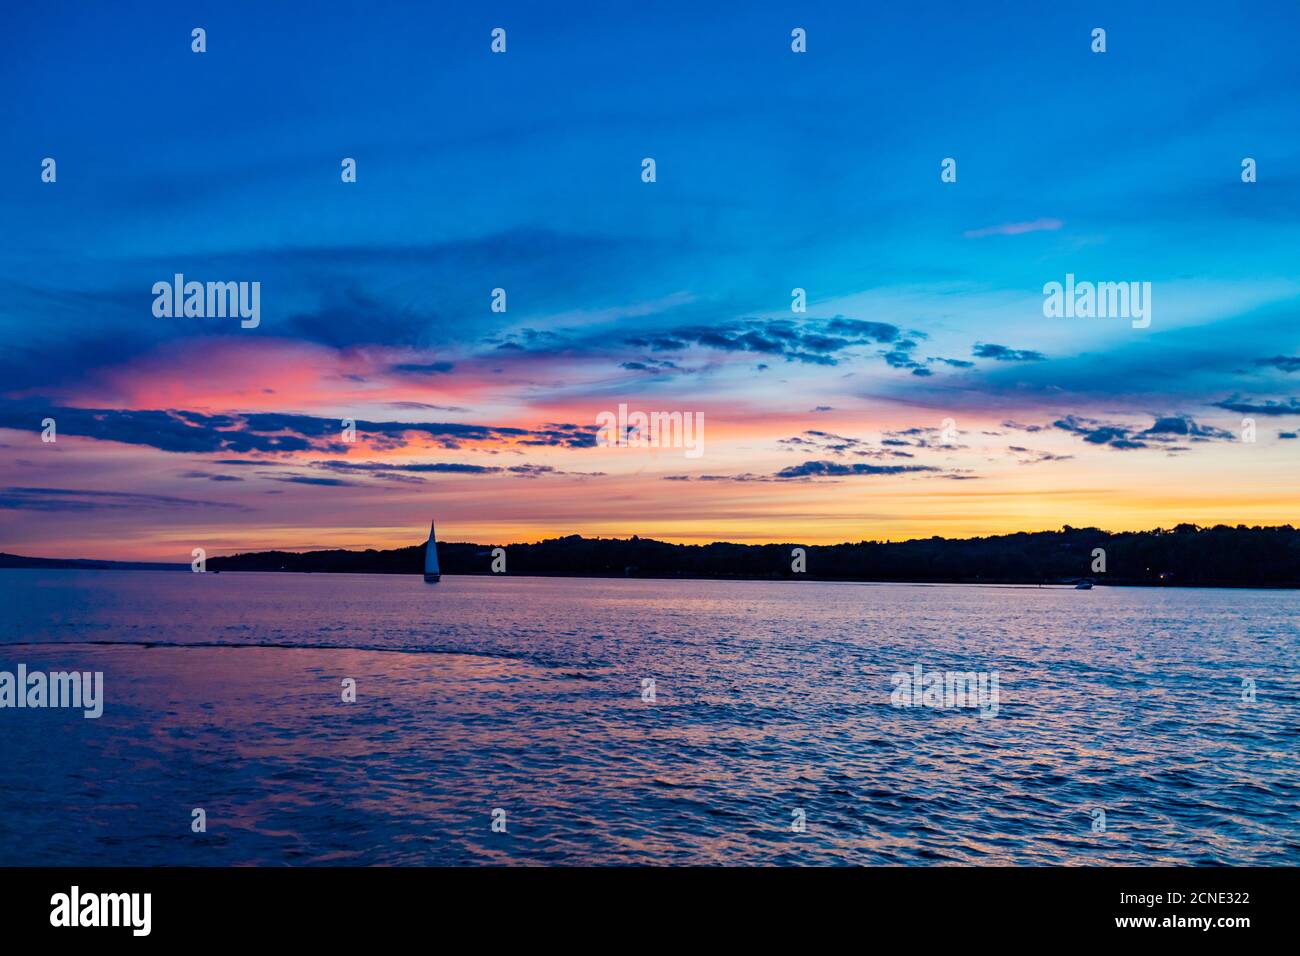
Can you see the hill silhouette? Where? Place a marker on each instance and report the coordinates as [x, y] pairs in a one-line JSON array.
[[1186, 555]]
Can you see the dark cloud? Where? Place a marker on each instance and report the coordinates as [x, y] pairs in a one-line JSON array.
[[549, 264], [863, 331], [1286, 363], [813, 342], [427, 368], [176, 430], [1002, 353], [771, 338], [903, 359], [1097, 433], [658, 343], [562, 436], [824, 442], [339, 296], [535, 342], [814, 441], [811, 470], [79, 499], [311, 480], [1185, 427], [653, 366], [1269, 407], [410, 470], [810, 341], [1164, 433], [349, 317], [382, 469], [834, 469], [898, 359]]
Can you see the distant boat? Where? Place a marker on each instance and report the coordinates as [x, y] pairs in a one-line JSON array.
[[431, 572], [1081, 586]]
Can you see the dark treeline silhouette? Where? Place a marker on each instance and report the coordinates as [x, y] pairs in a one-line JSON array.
[[1186, 556], [84, 564]]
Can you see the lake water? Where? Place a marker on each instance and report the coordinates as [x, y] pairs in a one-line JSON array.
[[224, 692]]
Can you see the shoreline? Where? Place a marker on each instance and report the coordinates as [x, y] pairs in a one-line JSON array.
[[1186, 556], [810, 579]]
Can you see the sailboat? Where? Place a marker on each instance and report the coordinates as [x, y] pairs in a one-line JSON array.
[[431, 572]]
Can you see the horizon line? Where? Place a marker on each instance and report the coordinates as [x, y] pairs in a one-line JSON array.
[[747, 544]]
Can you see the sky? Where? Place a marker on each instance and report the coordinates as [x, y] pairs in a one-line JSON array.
[[923, 390]]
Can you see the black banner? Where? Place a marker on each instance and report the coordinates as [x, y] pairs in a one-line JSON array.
[[944, 905]]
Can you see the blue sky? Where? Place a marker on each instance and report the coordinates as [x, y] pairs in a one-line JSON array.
[[774, 170]]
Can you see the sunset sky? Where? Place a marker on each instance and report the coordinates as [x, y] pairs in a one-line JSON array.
[[523, 171]]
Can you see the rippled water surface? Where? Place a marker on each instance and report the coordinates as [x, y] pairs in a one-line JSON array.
[[525, 694]]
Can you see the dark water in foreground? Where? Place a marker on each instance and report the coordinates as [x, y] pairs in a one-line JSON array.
[[525, 694]]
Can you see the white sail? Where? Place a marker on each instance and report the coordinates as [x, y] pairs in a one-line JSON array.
[[431, 572]]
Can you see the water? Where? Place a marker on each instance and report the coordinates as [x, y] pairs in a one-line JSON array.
[[525, 694]]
